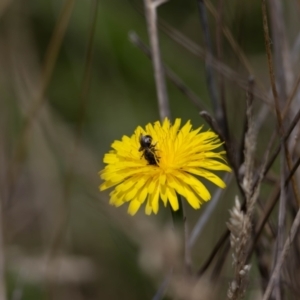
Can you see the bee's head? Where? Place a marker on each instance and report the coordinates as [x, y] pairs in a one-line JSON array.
[[145, 141]]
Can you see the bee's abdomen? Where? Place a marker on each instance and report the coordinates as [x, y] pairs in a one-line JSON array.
[[151, 158]]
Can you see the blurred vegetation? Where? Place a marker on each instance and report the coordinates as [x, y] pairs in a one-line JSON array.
[[51, 206]]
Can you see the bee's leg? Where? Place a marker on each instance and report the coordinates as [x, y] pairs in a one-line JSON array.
[[156, 157]]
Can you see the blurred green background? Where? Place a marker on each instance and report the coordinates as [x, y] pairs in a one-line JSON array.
[[61, 239]]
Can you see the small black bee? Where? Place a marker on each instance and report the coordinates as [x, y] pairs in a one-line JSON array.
[[148, 149]]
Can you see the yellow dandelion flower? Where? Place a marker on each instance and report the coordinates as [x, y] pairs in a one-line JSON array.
[[159, 162]]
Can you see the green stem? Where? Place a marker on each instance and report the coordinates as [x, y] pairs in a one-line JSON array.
[[178, 215], [180, 225]]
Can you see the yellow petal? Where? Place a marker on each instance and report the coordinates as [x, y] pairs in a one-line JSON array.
[[127, 184], [172, 198], [113, 177], [106, 185], [110, 158], [163, 194], [133, 207], [192, 199], [118, 203], [152, 185], [148, 209], [209, 164], [154, 197], [176, 184], [209, 176], [141, 181], [130, 194], [195, 184], [162, 178], [116, 199], [186, 128], [142, 195]]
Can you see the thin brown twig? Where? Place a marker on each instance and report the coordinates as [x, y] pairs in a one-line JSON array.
[[196, 50], [275, 94], [296, 141], [284, 139], [279, 43], [234, 45], [283, 69], [161, 89], [223, 238], [220, 261], [219, 46], [282, 257], [249, 101], [285, 111], [174, 78], [269, 207], [270, 63], [219, 113], [281, 222], [291, 97], [262, 264], [281, 51], [273, 199], [213, 253], [222, 68]]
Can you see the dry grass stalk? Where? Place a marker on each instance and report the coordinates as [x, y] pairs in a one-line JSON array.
[[240, 224], [161, 89]]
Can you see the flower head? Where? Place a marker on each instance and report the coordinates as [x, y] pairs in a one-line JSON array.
[[159, 162]]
